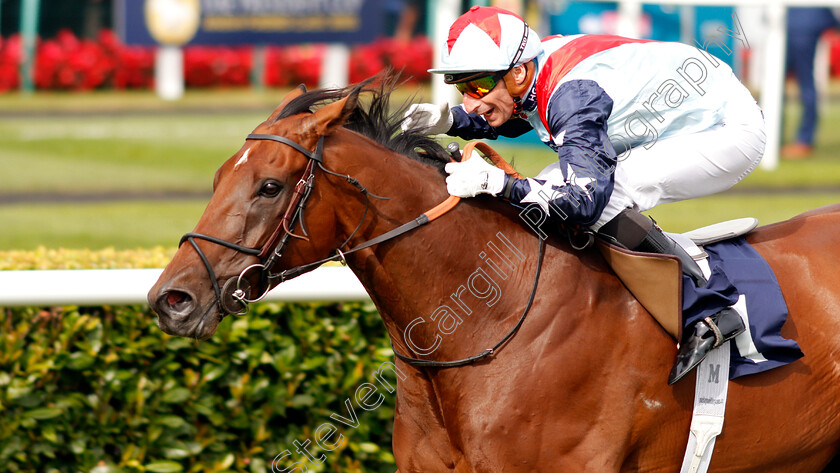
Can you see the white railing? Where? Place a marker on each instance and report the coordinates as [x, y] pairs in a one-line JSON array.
[[129, 286]]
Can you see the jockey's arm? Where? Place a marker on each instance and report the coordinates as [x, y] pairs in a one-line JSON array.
[[579, 187]]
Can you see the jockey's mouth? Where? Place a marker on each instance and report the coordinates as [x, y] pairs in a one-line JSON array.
[[488, 115]]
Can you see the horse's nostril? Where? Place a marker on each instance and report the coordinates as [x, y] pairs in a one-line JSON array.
[[174, 298], [175, 302]]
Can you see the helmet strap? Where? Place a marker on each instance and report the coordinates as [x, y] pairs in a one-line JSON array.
[[517, 105], [517, 90]]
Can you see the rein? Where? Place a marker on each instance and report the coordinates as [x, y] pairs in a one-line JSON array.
[[420, 363], [273, 248]]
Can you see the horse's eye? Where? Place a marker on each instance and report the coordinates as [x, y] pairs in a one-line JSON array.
[[270, 189]]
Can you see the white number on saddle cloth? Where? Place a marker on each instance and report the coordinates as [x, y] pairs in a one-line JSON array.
[[744, 342]]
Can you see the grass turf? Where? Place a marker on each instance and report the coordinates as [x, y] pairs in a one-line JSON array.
[[120, 225]]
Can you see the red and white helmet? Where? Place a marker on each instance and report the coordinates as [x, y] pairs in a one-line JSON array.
[[487, 39]]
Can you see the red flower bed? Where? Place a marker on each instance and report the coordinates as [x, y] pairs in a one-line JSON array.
[[69, 63], [9, 61], [414, 58], [293, 65], [217, 66], [134, 66], [833, 39]]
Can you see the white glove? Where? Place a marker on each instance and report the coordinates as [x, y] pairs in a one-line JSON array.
[[431, 118], [474, 176]]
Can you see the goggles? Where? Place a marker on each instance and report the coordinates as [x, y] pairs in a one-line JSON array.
[[481, 86]]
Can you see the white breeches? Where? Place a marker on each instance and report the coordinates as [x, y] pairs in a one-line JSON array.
[[685, 167]]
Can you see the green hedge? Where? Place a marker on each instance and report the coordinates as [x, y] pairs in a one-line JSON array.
[[102, 389]]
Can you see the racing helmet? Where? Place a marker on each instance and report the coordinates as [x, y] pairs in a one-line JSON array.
[[486, 39]]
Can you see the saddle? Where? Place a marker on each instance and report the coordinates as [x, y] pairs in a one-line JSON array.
[[655, 279]]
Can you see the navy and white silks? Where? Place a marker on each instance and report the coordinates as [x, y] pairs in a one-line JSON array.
[[635, 123]]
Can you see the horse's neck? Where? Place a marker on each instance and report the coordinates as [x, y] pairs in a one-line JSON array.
[[454, 277]]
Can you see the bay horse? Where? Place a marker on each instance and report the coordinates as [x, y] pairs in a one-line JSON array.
[[581, 387]]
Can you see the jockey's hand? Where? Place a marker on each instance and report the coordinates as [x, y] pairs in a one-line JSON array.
[[474, 176], [432, 119]]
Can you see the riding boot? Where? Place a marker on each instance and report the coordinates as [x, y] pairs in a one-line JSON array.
[[632, 230], [709, 333]]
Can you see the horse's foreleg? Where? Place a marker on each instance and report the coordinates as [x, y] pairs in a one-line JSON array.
[[421, 443]]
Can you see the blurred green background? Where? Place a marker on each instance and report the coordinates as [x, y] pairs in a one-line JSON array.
[[127, 170]]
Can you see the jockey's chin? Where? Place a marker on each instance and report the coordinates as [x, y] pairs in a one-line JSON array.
[[496, 117]]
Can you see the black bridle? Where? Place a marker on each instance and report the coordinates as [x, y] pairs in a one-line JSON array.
[[233, 297], [272, 249]]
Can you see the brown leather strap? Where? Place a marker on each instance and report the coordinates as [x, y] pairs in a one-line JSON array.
[[442, 207], [490, 153]]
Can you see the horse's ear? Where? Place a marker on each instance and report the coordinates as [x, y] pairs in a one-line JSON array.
[[332, 116], [295, 93]]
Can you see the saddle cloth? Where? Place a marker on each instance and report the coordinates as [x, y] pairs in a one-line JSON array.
[[728, 261]]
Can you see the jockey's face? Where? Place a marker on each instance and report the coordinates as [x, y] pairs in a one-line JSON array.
[[496, 106]]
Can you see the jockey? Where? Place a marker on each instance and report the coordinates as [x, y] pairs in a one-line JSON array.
[[635, 123]]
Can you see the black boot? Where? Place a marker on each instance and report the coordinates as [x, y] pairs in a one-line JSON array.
[[632, 230], [709, 333]]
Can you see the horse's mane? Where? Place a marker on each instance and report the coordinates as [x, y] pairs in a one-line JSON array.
[[375, 119]]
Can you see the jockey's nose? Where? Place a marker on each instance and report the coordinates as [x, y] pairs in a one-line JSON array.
[[471, 103]]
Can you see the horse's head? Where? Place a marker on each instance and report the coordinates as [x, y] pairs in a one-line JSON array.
[[250, 220], [279, 208]]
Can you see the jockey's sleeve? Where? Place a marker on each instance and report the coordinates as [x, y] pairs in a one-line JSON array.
[[578, 188], [474, 127]]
